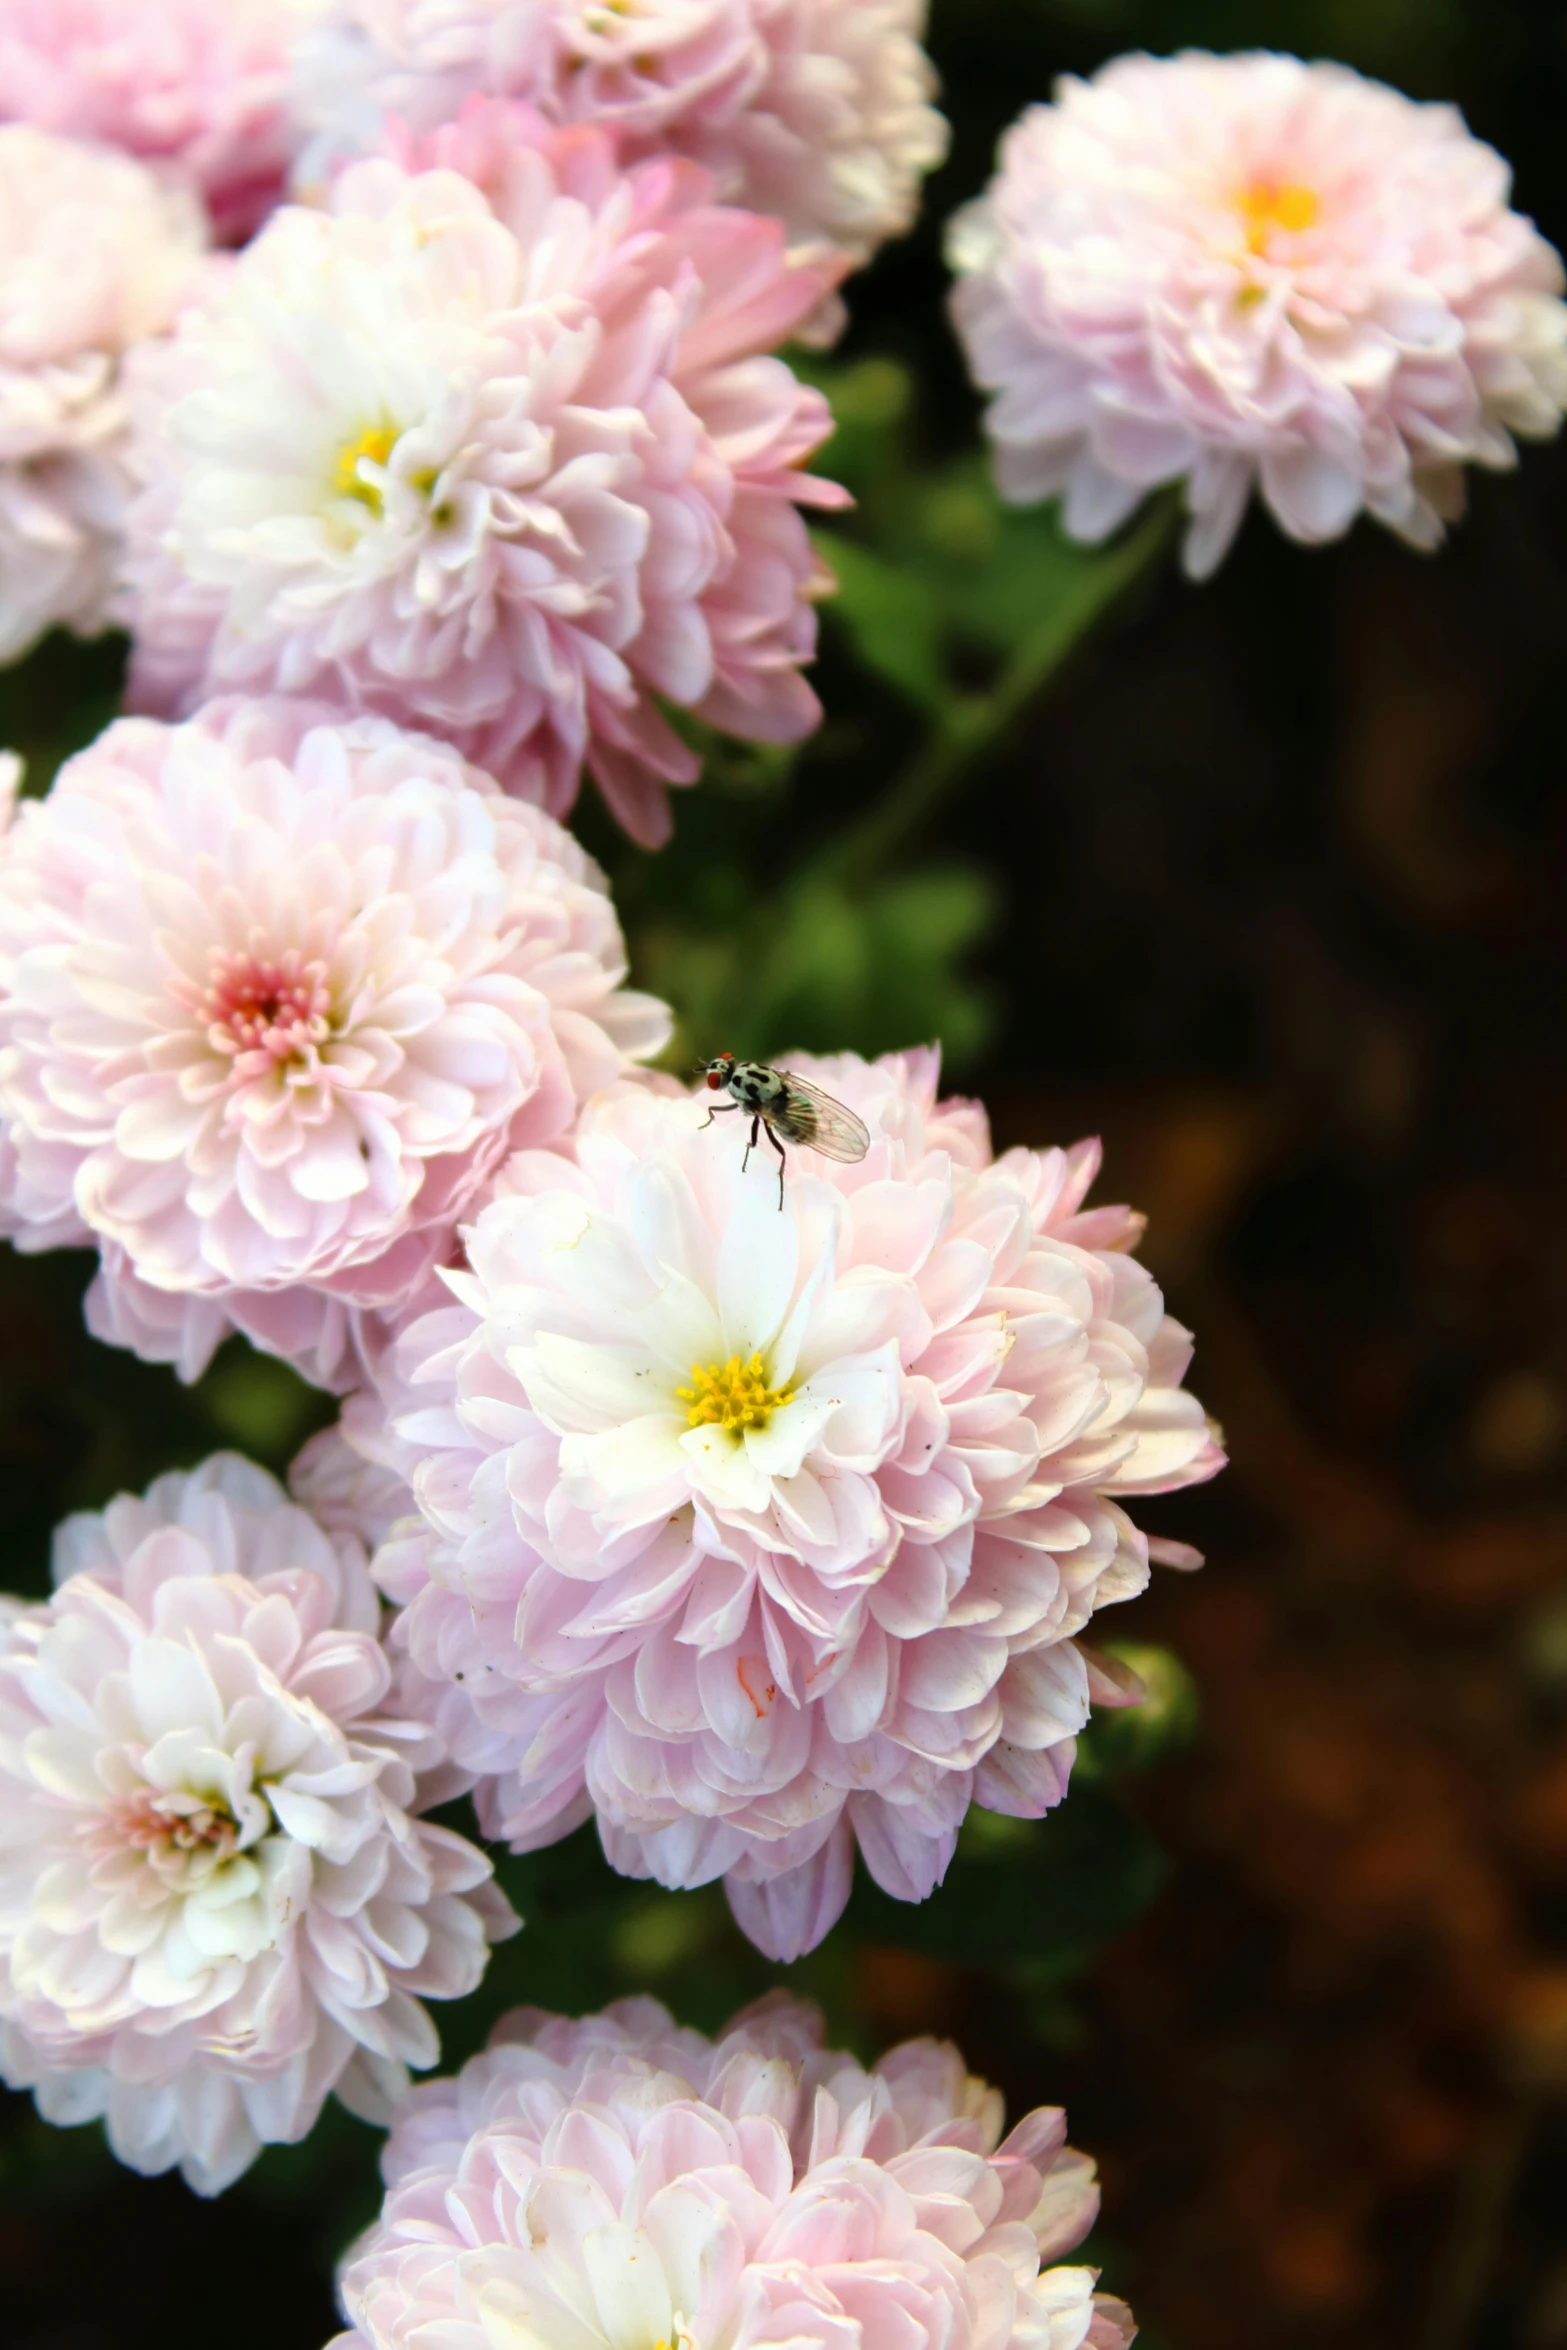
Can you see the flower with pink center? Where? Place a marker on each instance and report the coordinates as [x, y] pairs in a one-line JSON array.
[[619, 2184], [95, 255], [1239, 272], [817, 111], [509, 463], [217, 1903], [279, 992], [760, 1531], [198, 86]]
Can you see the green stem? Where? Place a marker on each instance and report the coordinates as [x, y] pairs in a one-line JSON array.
[[976, 722]]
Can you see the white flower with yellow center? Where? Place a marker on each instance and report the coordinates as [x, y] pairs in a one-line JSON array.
[[1239, 273], [761, 1530], [508, 464]]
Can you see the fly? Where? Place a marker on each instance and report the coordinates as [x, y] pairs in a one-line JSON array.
[[791, 1109]]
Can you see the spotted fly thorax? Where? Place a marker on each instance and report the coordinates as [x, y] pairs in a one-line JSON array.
[[789, 1107]]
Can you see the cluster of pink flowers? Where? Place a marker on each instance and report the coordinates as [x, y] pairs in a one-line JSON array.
[[757, 1517], [817, 112], [1239, 272], [588, 2186], [764, 1530]]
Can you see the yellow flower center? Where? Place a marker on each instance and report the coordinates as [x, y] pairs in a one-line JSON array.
[[732, 1395], [376, 442], [1269, 204]]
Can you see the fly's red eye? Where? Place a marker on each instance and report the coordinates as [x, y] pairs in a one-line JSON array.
[[714, 1080]]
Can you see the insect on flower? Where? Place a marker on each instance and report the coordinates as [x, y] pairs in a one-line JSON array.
[[791, 1109]]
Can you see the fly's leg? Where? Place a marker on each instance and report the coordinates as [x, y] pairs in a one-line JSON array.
[[716, 1111], [783, 1161], [756, 1124]]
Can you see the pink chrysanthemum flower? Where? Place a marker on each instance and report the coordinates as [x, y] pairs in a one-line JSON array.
[[1245, 271], [94, 255], [279, 991], [345, 1492], [618, 2183], [510, 464], [762, 1531], [216, 1907], [199, 86], [817, 111]]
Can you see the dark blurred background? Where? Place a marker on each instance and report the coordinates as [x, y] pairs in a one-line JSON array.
[[1267, 889]]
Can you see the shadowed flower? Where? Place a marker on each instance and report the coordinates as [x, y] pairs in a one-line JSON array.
[[511, 464], [95, 255], [1238, 272], [197, 85], [215, 1905], [758, 1532], [619, 2184], [816, 111], [278, 993]]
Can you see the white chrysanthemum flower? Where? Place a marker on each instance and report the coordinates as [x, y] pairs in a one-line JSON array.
[[763, 1526], [1239, 272], [617, 2183], [279, 992], [510, 464], [95, 255], [216, 1905], [819, 112]]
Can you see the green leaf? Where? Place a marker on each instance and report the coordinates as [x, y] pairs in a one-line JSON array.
[[871, 401], [826, 967], [891, 617], [259, 1404], [1134, 1737], [58, 700], [997, 573], [1048, 1892]]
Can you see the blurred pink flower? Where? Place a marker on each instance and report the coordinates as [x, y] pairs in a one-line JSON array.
[[585, 2186], [279, 991], [346, 1493], [758, 1533], [199, 85], [511, 474], [95, 255], [215, 1905], [1239, 271], [816, 111]]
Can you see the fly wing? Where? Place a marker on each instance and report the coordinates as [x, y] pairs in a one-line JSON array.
[[813, 1118]]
